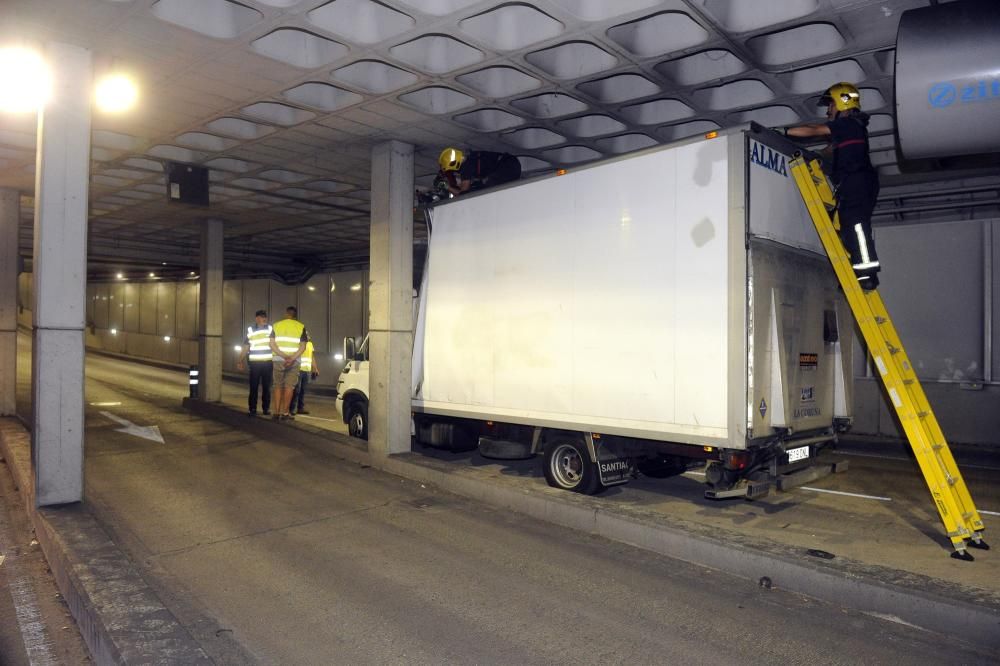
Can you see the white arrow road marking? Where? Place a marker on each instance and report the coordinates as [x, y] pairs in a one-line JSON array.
[[146, 432]]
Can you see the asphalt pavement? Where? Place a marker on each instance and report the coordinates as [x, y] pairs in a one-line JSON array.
[[271, 552]]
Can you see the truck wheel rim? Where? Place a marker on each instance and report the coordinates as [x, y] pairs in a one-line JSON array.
[[567, 466], [357, 424]]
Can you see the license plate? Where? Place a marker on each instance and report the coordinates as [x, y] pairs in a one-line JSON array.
[[800, 453], [615, 470]]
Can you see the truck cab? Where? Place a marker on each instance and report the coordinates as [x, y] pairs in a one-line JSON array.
[[352, 388]]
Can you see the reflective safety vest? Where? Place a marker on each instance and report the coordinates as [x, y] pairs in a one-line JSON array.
[[260, 343], [288, 335], [306, 361]]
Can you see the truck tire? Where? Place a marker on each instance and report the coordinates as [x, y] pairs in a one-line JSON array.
[[567, 466], [357, 421]]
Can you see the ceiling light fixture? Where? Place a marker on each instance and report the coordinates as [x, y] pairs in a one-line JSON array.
[[116, 93], [25, 81]]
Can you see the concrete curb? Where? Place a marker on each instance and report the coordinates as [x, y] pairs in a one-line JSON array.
[[934, 605], [120, 617]]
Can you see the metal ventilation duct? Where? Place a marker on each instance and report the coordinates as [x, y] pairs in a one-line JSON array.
[[948, 79]]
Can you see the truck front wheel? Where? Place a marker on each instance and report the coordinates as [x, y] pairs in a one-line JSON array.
[[567, 466], [357, 422]]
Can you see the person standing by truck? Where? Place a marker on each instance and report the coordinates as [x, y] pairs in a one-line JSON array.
[[308, 369], [288, 342], [477, 169], [257, 353], [854, 178]]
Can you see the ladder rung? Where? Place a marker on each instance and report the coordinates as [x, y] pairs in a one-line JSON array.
[[880, 320], [923, 415]]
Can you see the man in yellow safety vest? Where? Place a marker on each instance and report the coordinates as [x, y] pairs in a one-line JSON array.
[[257, 352], [308, 369], [288, 343]]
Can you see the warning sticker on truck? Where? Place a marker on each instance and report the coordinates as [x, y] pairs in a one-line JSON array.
[[808, 361]]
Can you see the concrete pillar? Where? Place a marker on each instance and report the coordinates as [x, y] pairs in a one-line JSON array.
[[210, 312], [60, 278], [390, 325], [10, 213]]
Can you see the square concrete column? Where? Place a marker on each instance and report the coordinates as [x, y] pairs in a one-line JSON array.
[[60, 278], [390, 296], [10, 213], [210, 311]]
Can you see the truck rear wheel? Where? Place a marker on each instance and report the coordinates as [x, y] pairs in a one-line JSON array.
[[357, 422], [567, 465]]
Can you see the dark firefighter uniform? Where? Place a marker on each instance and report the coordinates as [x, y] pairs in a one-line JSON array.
[[856, 184], [486, 169]]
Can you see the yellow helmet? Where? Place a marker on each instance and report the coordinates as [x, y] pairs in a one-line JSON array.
[[451, 159], [842, 95]]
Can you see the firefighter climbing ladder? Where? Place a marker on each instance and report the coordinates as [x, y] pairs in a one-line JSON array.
[[954, 504]]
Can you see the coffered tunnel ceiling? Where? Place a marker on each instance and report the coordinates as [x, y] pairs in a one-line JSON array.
[[283, 100]]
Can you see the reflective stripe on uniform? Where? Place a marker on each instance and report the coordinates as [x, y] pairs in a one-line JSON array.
[[866, 261], [288, 335], [306, 360], [260, 344]]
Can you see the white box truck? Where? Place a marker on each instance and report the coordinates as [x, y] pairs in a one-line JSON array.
[[632, 316]]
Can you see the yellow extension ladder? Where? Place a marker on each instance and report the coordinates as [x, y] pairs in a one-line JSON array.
[[954, 504]]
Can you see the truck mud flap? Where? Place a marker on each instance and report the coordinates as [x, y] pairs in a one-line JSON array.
[[613, 466]]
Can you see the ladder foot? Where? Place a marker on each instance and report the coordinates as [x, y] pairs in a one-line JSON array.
[[978, 543], [963, 555]]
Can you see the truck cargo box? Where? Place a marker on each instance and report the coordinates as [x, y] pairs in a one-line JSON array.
[[677, 295]]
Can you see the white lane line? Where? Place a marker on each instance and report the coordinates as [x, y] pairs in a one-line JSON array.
[[905, 459], [840, 492], [318, 418], [832, 492]]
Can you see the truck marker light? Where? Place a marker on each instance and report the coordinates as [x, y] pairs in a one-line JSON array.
[[561, 172], [711, 135], [595, 435], [707, 449]]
